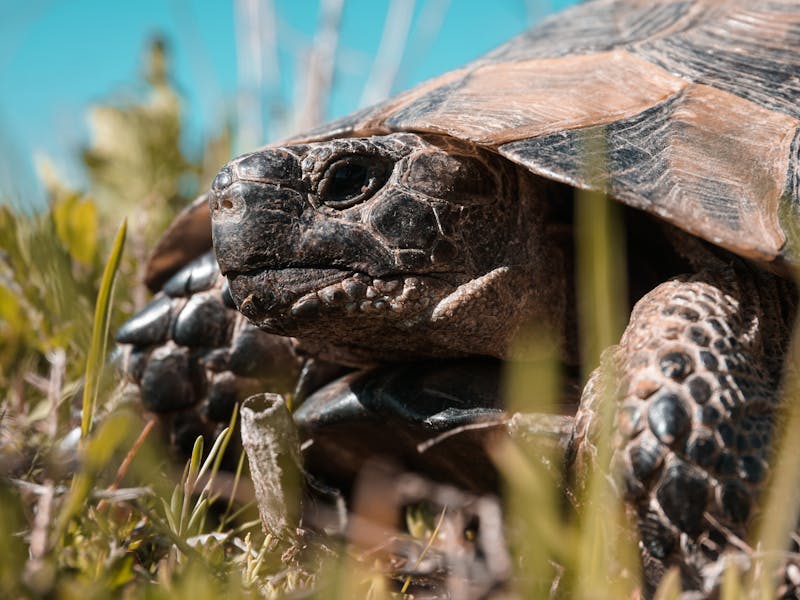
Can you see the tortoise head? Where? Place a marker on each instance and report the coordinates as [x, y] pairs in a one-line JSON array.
[[378, 248]]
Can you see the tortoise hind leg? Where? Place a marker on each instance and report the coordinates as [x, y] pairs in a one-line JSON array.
[[700, 367]]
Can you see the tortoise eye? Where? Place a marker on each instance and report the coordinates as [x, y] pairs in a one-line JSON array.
[[352, 180]]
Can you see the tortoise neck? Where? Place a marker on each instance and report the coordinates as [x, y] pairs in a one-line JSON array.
[[546, 230]]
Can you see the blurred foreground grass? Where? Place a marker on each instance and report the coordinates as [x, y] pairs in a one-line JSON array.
[[110, 516]]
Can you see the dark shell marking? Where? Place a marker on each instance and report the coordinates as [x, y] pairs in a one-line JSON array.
[[663, 96]]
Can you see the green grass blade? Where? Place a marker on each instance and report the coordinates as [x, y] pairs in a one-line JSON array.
[[95, 456], [214, 457], [541, 535], [190, 482], [175, 503], [732, 588], [194, 463], [670, 586], [781, 499], [602, 301], [227, 515], [197, 513], [602, 284], [169, 514], [781, 502], [97, 350], [226, 440]]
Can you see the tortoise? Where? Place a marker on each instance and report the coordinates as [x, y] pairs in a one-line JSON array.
[[430, 229]]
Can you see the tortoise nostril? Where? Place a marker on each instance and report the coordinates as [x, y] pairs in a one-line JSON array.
[[227, 204]]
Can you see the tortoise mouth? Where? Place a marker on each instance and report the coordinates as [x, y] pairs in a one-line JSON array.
[[267, 295], [286, 300]]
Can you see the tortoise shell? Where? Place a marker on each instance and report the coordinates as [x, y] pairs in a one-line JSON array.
[[686, 109]]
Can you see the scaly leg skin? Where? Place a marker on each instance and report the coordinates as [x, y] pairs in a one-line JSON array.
[[699, 372]]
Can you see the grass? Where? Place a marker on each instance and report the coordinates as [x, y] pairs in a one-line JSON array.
[[95, 360]]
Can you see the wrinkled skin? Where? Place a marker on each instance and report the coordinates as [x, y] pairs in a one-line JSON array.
[[388, 248]]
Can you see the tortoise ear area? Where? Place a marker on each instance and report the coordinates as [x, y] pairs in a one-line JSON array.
[[453, 177], [484, 311]]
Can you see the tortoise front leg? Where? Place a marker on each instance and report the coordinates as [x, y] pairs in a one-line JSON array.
[[699, 370], [192, 356]]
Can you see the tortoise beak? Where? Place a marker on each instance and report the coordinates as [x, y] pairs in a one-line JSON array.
[[255, 200]]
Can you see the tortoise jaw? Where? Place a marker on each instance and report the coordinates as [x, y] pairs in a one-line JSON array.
[[292, 301], [266, 295]]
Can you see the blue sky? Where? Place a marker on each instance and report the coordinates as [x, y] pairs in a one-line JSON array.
[[57, 57]]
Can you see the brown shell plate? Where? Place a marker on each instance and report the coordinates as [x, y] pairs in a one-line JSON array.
[[689, 110], [188, 237]]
